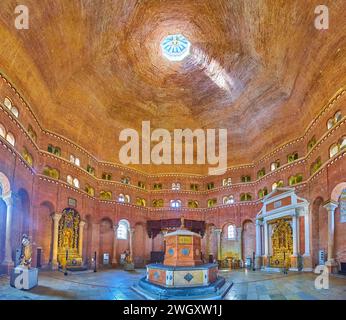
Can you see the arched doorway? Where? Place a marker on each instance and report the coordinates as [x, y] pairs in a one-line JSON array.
[[21, 218], [106, 241], [44, 232], [248, 239], [319, 229], [3, 209]]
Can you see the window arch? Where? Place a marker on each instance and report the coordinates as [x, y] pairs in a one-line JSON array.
[[226, 182], [342, 143], [2, 131], [176, 186], [125, 180], [228, 200], [121, 198], [261, 173], [76, 183], [8, 103], [141, 202], [192, 204], [231, 232], [274, 165], [212, 202], [175, 203], [106, 195], [90, 190], [69, 180], [337, 116], [157, 203], [245, 197], [15, 112], [333, 150], [10, 138], [122, 230]]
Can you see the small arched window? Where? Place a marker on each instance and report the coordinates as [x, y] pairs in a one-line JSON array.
[[10, 138], [342, 143], [175, 203], [76, 183], [175, 186], [8, 103], [337, 116], [333, 150], [330, 123], [69, 180], [2, 131], [121, 198], [15, 112], [127, 198], [274, 186], [122, 230], [231, 232]]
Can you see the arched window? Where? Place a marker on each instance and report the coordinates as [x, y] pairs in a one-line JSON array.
[[228, 200], [333, 150], [127, 198], [231, 232], [175, 186], [76, 183], [212, 203], [226, 182], [311, 143], [8, 103], [2, 131], [72, 158], [245, 197], [275, 165], [192, 204], [175, 203], [330, 123], [122, 230], [10, 138], [141, 202], [90, 190], [194, 187], [157, 186], [32, 133], [210, 185], [274, 186], [342, 143], [69, 180], [77, 162], [261, 173], [157, 203], [125, 180], [337, 116], [27, 156], [121, 198], [15, 112]]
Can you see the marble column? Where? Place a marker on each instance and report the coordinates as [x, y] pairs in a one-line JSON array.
[[258, 245], [266, 245], [331, 263], [115, 245], [131, 233], [8, 262], [80, 241], [295, 235], [218, 233], [56, 218], [307, 260]]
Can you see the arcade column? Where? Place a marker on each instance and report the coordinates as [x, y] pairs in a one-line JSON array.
[[331, 263], [218, 233], [307, 260], [258, 258], [266, 257], [8, 262], [115, 245], [295, 234], [131, 234], [80, 241], [56, 218]]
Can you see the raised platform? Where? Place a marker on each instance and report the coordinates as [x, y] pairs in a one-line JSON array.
[[213, 291], [182, 276]]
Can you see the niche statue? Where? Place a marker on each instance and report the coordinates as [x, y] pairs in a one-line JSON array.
[[26, 252]]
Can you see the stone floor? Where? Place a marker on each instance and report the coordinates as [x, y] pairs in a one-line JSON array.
[[116, 285]]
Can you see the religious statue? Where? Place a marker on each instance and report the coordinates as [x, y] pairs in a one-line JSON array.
[[26, 252]]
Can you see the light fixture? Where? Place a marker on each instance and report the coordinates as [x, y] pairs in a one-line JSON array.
[[175, 47]]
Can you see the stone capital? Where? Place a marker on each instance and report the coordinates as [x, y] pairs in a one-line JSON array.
[[8, 199], [56, 217], [330, 205]]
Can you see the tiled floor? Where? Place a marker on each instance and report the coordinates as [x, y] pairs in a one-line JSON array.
[[116, 285]]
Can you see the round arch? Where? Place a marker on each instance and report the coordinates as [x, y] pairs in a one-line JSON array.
[[335, 195], [5, 185]]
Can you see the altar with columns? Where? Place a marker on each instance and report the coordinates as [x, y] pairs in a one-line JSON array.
[[283, 232]]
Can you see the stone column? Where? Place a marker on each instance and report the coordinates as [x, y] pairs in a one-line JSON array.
[[131, 233], [80, 241], [218, 233], [240, 240], [266, 245], [295, 235], [56, 218], [331, 263], [115, 245], [258, 245], [8, 262], [307, 261]]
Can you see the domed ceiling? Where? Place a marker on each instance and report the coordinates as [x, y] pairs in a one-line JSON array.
[[258, 68]]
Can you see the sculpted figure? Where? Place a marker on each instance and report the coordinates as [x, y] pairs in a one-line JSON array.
[[26, 252]]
